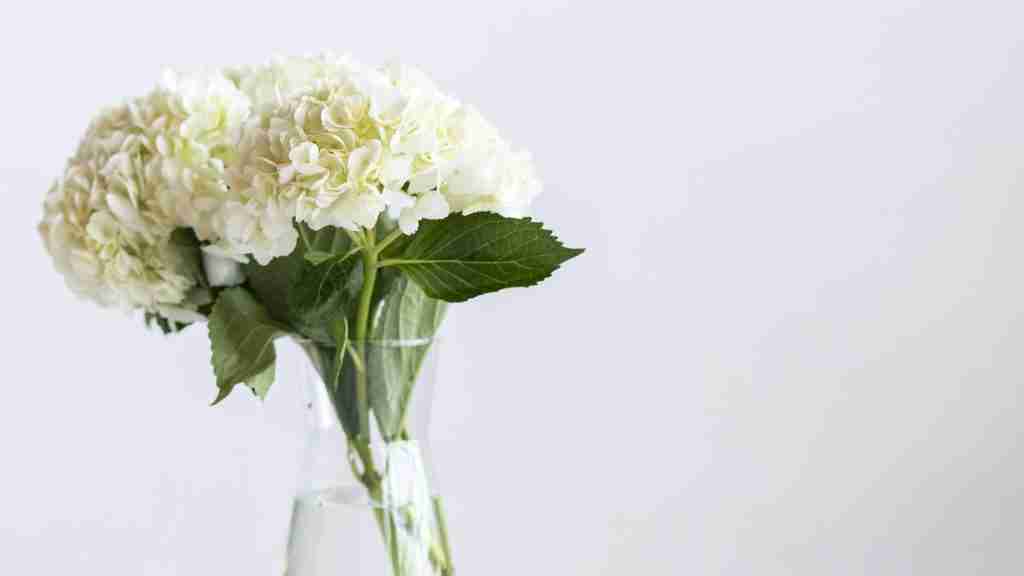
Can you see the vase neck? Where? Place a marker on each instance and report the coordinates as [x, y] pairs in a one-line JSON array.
[[399, 380]]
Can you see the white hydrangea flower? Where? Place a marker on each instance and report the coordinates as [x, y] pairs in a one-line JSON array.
[[143, 169], [355, 142], [274, 83], [195, 121], [487, 174], [104, 229], [255, 221], [240, 156]]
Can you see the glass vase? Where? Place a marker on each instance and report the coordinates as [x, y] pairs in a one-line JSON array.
[[367, 501]]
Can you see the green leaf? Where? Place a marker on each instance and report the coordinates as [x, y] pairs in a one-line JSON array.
[[320, 296], [166, 326], [186, 248], [242, 335], [332, 366], [274, 282], [316, 257], [341, 345], [260, 383], [462, 256], [407, 315]]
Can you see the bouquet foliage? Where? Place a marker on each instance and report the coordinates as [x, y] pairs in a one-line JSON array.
[[314, 198]]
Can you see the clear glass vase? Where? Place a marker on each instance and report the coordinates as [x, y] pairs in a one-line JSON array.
[[367, 501]]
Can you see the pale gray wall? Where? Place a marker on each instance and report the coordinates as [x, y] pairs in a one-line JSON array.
[[793, 346]]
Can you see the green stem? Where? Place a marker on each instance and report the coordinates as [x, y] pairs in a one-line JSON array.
[[394, 235], [362, 325], [442, 558], [441, 522], [356, 237], [369, 279], [304, 236], [393, 551], [370, 477]]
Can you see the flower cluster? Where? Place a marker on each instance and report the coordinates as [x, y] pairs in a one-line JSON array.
[[241, 156], [143, 169]]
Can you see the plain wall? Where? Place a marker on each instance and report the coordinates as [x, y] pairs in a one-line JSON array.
[[792, 347]]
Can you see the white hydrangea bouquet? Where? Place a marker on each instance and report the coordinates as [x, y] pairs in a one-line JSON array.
[[314, 198]]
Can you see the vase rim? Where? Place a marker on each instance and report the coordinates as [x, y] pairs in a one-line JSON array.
[[380, 342]]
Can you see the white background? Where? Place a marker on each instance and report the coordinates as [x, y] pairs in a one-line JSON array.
[[794, 345]]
